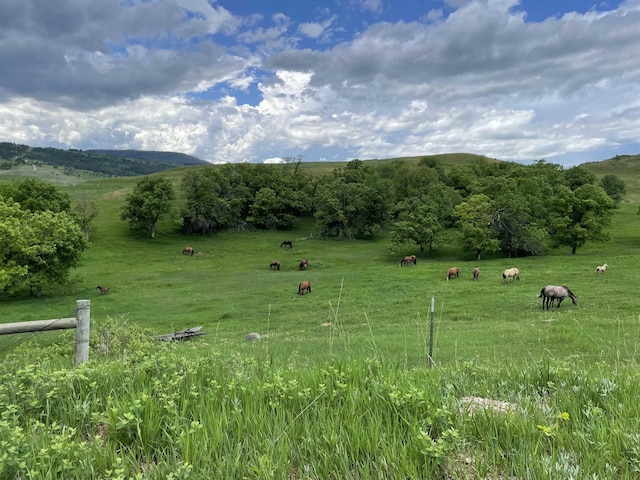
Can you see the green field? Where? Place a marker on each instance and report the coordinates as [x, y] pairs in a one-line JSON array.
[[340, 385], [375, 307]]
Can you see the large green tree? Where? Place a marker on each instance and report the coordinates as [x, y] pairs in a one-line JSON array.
[[580, 215], [422, 218], [352, 202], [614, 186], [475, 225], [417, 221], [518, 206], [36, 248], [148, 203]]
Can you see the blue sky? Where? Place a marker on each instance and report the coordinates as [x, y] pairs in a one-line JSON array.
[[256, 81]]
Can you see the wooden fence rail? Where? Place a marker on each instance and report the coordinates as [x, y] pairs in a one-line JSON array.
[[80, 323]]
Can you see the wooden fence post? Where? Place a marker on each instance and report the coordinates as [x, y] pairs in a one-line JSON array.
[[83, 314]]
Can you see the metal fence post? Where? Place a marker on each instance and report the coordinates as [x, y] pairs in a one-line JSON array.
[[431, 328]]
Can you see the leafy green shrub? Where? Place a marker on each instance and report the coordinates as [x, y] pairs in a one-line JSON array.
[[114, 338]]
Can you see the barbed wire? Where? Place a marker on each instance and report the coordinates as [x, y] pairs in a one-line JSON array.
[[12, 342]]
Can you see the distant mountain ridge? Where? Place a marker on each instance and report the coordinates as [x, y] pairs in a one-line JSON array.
[[157, 156], [113, 163]]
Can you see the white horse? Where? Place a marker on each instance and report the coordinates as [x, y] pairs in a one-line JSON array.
[[602, 268]]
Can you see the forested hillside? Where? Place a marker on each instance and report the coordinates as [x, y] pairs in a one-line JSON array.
[[113, 164], [172, 158]]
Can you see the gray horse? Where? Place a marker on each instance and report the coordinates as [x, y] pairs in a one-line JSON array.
[[550, 293]]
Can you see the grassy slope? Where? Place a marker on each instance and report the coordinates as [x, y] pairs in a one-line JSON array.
[[376, 307]]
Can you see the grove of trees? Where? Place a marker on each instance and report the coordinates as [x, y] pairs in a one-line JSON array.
[[489, 206], [483, 206]]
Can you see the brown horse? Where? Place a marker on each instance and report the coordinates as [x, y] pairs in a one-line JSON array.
[[511, 272], [287, 243], [275, 265], [476, 274], [103, 290], [550, 293], [409, 260], [304, 264], [306, 285], [187, 251], [453, 272]]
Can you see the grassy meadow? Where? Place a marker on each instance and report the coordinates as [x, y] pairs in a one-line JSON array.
[[340, 384], [375, 307]]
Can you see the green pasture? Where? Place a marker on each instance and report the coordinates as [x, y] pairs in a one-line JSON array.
[[338, 386], [375, 308]]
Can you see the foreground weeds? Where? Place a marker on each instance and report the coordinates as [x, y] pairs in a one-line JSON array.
[[152, 412]]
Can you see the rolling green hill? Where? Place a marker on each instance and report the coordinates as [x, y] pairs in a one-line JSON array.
[[79, 163]]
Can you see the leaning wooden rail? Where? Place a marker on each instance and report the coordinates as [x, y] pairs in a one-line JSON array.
[[80, 323]]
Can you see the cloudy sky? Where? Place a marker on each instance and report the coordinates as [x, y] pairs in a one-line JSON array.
[[258, 80]]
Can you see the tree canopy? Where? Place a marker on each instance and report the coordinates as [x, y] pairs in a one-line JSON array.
[[352, 202], [493, 206], [36, 248], [145, 206]]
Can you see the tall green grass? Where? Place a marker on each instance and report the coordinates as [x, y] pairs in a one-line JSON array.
[[231, 415]]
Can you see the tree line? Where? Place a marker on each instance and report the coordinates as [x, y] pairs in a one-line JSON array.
[[491, 206]]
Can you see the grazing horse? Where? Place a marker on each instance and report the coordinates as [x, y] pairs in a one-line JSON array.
[[306, 285], [287, 243], [187, 251], [304, 264], [550, 293], [602, 268], [476, 274], [409, 260], [103, 290], [453, 272], [275, 265], [511, 272]]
